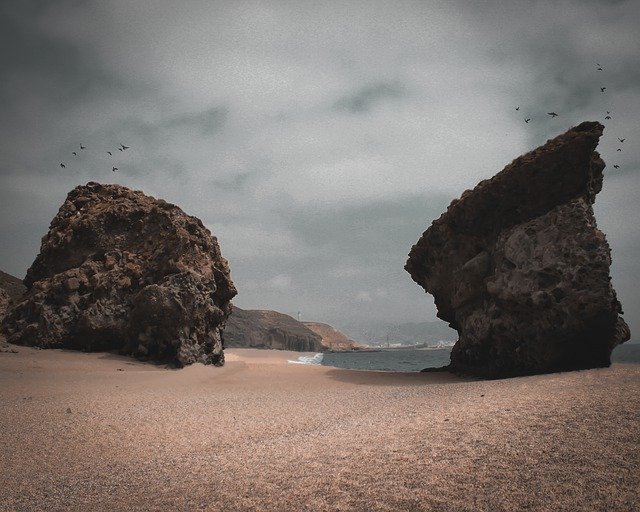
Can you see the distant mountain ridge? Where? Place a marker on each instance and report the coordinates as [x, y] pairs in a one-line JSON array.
[[11, 289], [258, 328], [14, 287], [332, 339]]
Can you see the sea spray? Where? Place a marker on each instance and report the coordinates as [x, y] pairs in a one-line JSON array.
[[315, 359]]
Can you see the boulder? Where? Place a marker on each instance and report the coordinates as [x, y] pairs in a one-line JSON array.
[[519, 268], [269, 329], [119, 270]]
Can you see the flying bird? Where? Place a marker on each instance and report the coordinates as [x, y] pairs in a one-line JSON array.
[[114, 169], [616, 167], [599, 68], [607, 117], [618, 149], [552, 114], [602, 89], [527, 120], [517, 108], [63, 166], [123, 146], [621, 140], [82, 147], [75, 154], [109, 153]]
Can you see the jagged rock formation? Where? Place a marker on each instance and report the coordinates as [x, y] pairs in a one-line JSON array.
[[11, 289], [269, 329], [518, 267], [122, 270], [332, 339]]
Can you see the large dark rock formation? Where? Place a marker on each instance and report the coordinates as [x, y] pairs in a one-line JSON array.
[[269, 329], [122, 270], [518, 267]]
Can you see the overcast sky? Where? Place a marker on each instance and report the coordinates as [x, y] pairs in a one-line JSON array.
[[317, 140]]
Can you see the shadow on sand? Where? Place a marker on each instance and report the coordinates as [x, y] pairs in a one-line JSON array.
[[383, 378], [123, 359]]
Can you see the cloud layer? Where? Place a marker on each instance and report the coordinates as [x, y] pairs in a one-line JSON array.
[[317, 141]]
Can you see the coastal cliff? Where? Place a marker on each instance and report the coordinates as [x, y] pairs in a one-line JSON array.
[[269, 329]]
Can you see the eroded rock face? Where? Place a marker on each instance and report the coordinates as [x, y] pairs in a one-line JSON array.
[[269, 329], [519, 268], [122, 270]]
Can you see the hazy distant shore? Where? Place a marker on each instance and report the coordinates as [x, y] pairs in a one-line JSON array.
[[102, 432]]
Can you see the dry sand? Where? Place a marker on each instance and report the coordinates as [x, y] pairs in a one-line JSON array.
[[95, 431]]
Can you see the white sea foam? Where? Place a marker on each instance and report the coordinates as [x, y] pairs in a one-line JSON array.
[[315, 359]]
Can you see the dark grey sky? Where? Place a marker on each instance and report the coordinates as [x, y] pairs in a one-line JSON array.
[[317, 140]]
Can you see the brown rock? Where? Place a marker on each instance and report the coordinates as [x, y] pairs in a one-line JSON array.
[[518, 267], [122, 270], [72, 284]]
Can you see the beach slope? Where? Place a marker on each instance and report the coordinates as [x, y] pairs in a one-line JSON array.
[[101, 432]]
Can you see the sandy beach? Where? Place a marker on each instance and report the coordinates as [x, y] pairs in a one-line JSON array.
[[102, 432]]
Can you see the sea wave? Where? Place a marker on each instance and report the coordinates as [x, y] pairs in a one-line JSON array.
[[315, 359]]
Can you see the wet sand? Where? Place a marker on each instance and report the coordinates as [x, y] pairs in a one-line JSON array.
[[102, 432]]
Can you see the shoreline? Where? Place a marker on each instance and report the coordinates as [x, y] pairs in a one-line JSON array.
[[96, 431]]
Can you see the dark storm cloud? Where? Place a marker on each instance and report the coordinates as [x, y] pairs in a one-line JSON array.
[[58, 70], [353, 254], [316, 142], [558, 46], [236, 182], [207, 122], [371, 231], [366, 97], [24, 48]]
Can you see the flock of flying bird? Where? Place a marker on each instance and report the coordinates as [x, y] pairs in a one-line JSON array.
[[607, 117], [121, 147]]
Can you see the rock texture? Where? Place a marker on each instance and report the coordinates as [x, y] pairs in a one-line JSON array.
[[518, 267], [122, 270], [269, 329], [4, 302], [332, 339], [11, 289]]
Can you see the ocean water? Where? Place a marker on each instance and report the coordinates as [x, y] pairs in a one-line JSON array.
[[313, 360], [395, 360], [411, 360]]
